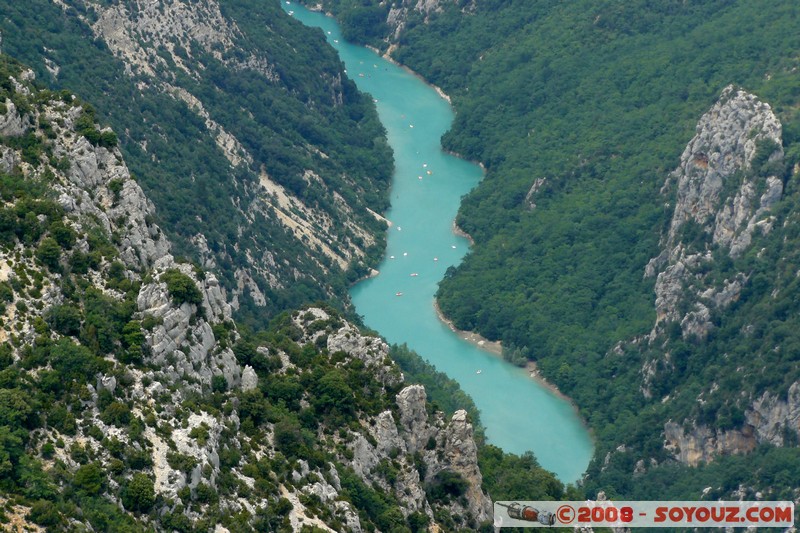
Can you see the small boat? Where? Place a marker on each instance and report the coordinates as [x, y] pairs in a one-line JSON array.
[[429, 172], [391, 257], [336, 41], [453, 247], [405, 254], [398, 294], [399, 228], [435, 258], [410, 125], [479, 371], [420, 177], [414, 274], [291, 13], [424, 165]]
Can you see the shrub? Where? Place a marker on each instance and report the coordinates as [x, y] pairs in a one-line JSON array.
[[63, 235], [117, 413], [138, 494], [49, 253], [88, 478], [447, 484], [205, 493], [115, 186], [6, 292], [44, 514], [219, 383], [65, 319], [181, 287]]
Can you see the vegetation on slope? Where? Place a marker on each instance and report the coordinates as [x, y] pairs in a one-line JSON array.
[[288, 127]]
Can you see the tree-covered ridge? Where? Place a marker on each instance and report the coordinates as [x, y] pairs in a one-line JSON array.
[[579, 111], [240, 135]]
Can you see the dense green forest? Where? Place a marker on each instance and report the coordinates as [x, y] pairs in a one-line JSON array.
[[593, 103], [311, 118]]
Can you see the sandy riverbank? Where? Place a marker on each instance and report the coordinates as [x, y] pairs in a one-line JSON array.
[[496, 348], [493, 347], [461, 233], [388, 57]]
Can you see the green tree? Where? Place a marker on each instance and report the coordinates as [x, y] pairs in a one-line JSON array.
[[181, 287], [44, 513], [65, 319], [89, 478], [49, 253], [138, 494]]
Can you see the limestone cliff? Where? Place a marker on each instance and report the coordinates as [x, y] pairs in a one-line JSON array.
[[721, 199], [729, 180]]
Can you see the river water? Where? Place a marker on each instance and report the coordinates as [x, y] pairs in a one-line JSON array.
[[519, 414]]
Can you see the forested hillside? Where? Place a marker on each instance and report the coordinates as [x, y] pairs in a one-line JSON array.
[[580, 111], [261, 156]]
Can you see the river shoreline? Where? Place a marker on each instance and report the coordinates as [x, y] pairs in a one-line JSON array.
[[461, 233], [496, 348], [388, 57]]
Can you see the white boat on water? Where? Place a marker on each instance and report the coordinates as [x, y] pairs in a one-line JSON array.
[[479, 371]]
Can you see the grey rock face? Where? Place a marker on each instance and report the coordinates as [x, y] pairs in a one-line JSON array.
[[773, 417], [461, 455], [249, 378], [453, 448], [414, 417], [726, 142], [703, 443], [530, 197], [11, 123], [99, 186], [183, 343], [373, 351], [716, 188]]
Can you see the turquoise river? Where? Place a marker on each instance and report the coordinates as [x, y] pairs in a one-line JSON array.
[[519, 414]]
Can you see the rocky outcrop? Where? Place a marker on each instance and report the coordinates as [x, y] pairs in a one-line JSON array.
[[372, 351], [440, 444], [400, 13], [443, 446], [728, 139], [11, 123], [716, 207], [530, 197], [728, 181], [182, 343], [774, 419], [99, 187], [702, 444]]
